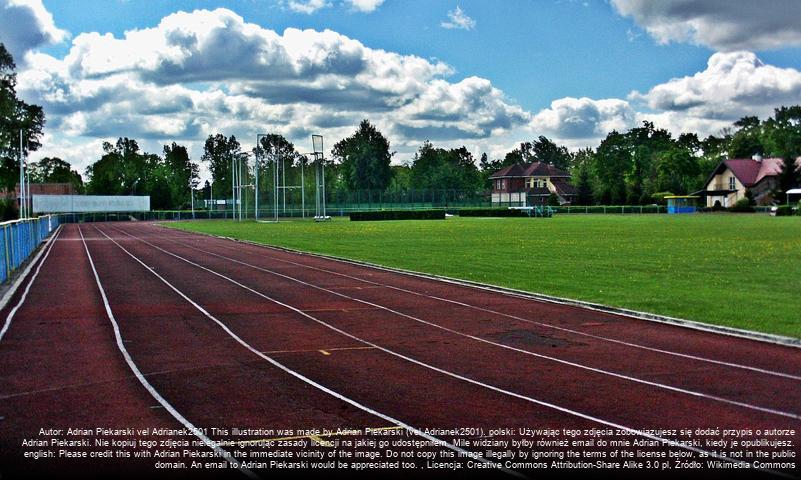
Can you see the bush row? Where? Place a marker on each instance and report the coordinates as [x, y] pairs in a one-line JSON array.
[[785, 211], [491, 212], [398, 215]]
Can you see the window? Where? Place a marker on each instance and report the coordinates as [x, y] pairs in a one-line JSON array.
[[732, 184]]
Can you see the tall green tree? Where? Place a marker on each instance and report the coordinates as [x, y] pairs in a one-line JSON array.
[[581, 175], [55, 170], [783, 136], [748, 139], [15, 116], [544, 150], [180, 174], [438, 168], [219, 152], [364, 158], [612, 160]]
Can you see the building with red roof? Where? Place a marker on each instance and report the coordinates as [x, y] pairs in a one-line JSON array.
[[531, 184], [731, 179]]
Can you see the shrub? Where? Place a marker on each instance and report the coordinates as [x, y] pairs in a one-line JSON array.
[[8, 209], [742, 205], [784, 210], [659, 197], [398, 215], [491, 212]]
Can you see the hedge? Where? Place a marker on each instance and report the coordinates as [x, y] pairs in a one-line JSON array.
[[398, 215], [784, 210], [492, 212]]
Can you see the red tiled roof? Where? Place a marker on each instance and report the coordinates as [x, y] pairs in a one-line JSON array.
[[538, 169], [750, 172]]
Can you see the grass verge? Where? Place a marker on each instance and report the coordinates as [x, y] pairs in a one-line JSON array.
[[741, 271]]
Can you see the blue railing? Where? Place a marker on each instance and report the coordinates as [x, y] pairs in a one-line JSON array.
[[20, 238]]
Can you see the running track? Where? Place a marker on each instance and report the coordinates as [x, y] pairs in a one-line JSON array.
[[137, 325]]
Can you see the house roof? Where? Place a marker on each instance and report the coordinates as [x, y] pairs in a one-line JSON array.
[[534, 169], [749, 171], [563, 187]]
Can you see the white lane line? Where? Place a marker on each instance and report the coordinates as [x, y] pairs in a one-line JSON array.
[[13, 289], [153, 392], [542, 403], [508, 347], [514, 317], [302, 377]]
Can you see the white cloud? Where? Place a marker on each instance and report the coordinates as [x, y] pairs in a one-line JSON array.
[[365, 6], [26, 25], [459, 20], [724, 25], [204, 72], [307, 6], [584, 118], [733, 85]]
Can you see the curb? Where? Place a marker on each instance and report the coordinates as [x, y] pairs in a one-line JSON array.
[[635, 314], [12, 288]]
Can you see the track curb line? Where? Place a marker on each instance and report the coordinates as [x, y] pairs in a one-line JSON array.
[[635, 314], [12, 289]]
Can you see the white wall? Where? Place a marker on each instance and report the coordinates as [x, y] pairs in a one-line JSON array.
[[90, 203]]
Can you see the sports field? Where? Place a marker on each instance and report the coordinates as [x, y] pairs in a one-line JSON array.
[[188, 346], [734, 270]]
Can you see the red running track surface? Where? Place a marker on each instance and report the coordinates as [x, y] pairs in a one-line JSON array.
[[233, 334]]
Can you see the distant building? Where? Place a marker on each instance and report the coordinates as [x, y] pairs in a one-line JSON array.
[[43, 189], [531, 184], [732, 178]]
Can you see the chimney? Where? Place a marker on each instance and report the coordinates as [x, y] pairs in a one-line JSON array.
[[757, 157]]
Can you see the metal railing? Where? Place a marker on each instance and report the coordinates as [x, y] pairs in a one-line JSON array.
[[20, 238]]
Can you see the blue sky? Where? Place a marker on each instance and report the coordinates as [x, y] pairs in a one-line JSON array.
[[480, 73], [534, 51]]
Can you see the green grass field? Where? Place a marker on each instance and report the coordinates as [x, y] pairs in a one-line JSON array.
[[736, 270]]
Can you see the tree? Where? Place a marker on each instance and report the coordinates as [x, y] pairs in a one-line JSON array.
[[364, 158], [219, 153], [548, 152], [747, 141], [54, 170], [676, 170], [15, 116], [612, 159], [582, 176], [486, 168], [783, 136], [274, 147], [437, 168], [180, 174]]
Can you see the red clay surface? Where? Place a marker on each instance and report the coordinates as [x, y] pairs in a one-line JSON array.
[[410, 350]]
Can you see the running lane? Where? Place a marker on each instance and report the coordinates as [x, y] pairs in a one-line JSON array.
[[60, 368], [611, 399]]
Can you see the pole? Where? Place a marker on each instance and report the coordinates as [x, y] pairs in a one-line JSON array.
[[233, 189], [302, 190], [21, 180], [192, 198], [275, 186], [283, 180], [256, 180], [211, 197]]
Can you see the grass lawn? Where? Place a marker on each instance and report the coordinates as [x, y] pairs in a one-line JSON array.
[[741, 270]]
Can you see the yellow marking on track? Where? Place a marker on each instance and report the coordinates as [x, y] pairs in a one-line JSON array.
[[329, 350], [324, 352]]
